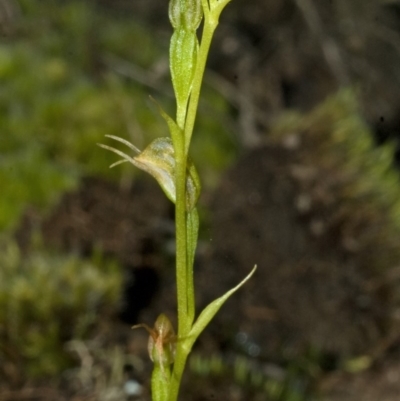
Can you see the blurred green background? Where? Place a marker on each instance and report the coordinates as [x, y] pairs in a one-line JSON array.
[[319, 79], [71, 73]]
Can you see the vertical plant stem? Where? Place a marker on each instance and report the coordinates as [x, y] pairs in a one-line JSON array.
[[181, 238], [186, 223], [184, 323], [179, 366], [208, 31], [185, 289]]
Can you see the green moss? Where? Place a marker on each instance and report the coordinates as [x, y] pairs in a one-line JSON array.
[[57, 101], [46, 300]]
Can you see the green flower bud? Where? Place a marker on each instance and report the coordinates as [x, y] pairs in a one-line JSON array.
[[175, 13], [192, 15], [185, 14], [162, 342], [183, 58]]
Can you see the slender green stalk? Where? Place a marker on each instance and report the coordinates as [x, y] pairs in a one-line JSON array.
[[184, 267], [166, 159], [211, 18], [181, 239], [206, 39], [179, 367]]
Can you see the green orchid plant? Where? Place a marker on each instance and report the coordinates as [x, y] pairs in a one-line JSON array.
[[167, 160]]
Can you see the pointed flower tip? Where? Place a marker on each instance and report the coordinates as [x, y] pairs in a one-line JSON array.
[[125, 142]]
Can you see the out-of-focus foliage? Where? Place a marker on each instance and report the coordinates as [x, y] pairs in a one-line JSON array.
[[356, 187], [46, 300], [289, 384], [325, 227], [58, 97]]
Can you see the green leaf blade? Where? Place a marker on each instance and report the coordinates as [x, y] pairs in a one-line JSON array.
[[211, 310]]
